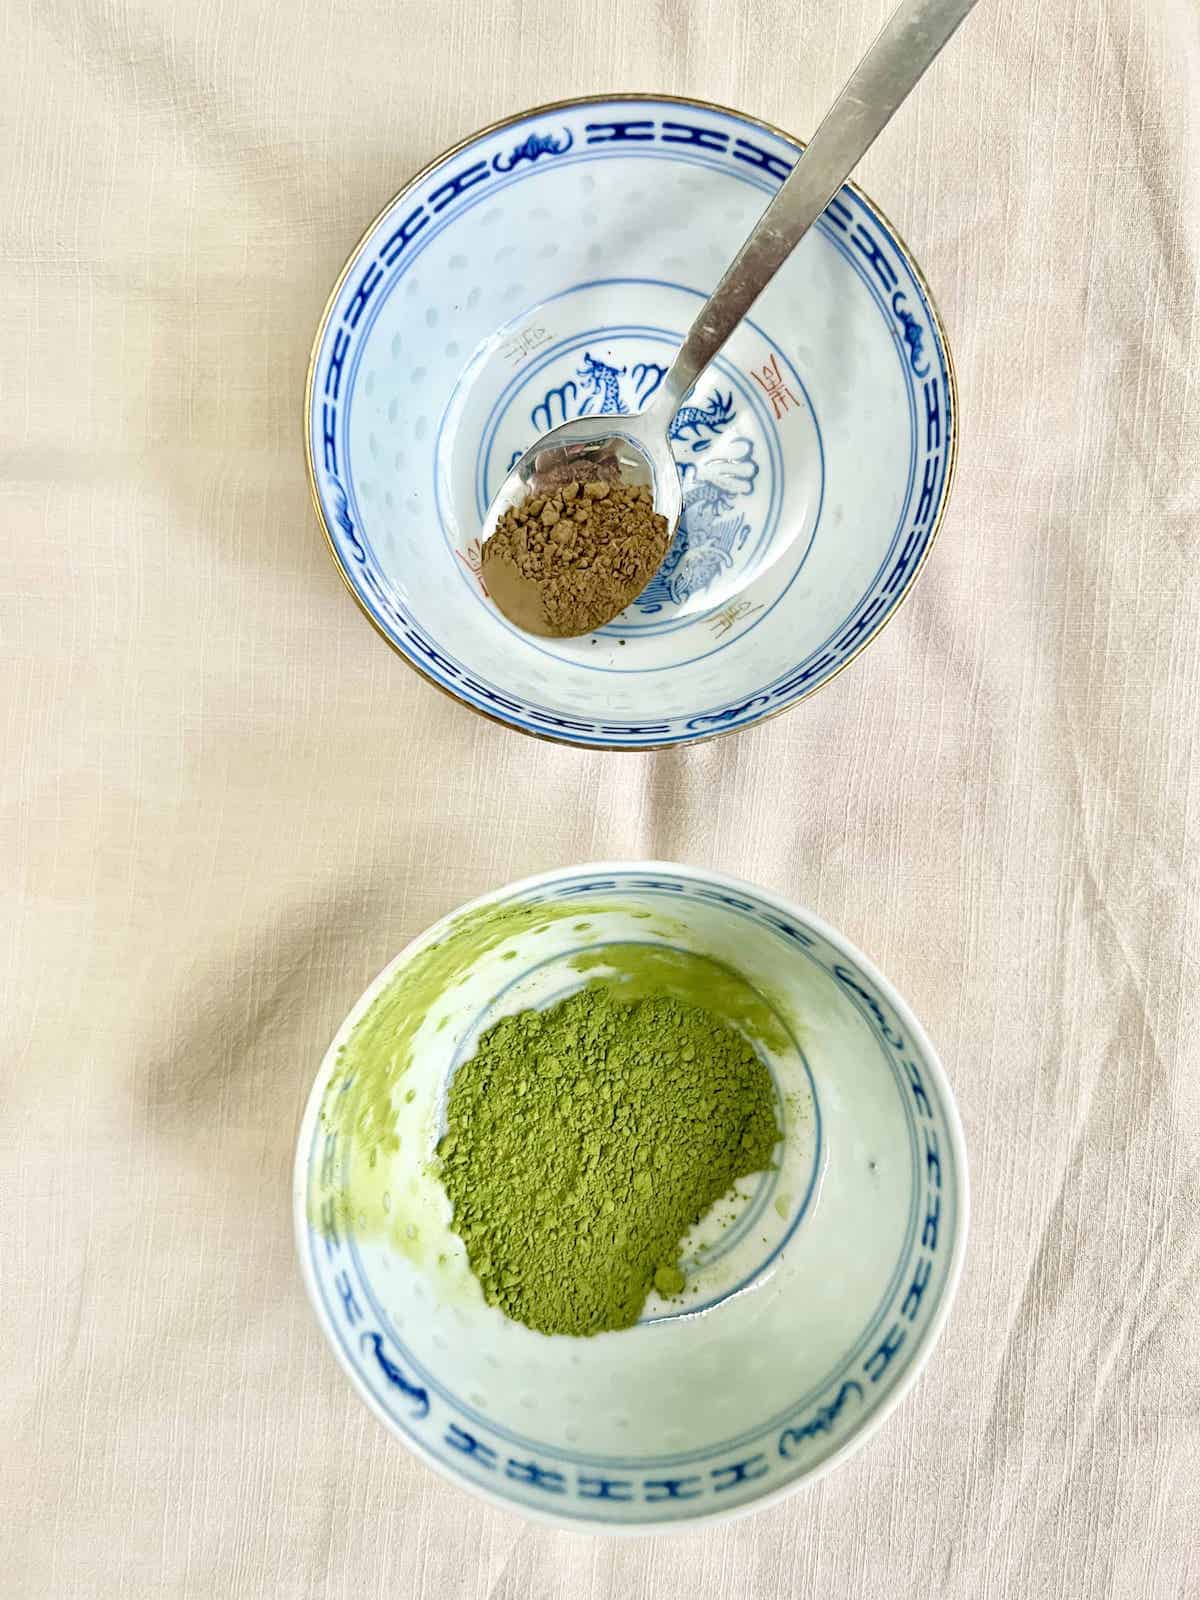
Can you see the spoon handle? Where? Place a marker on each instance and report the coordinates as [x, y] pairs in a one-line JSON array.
[[910, 41]]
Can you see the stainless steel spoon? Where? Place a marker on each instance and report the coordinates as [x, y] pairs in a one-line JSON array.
[[638, 444]]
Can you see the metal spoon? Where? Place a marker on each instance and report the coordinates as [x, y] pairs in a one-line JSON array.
[[637, 445]]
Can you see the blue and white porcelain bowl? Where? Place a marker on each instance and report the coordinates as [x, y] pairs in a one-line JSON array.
[[806, 1320], [547, 268]]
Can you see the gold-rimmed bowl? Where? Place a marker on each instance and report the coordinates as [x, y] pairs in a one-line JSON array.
[[546, 268]]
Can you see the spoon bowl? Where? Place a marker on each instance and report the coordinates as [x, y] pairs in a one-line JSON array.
[[638, 451]]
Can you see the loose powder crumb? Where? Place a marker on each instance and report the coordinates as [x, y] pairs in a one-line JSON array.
[[584, 1141], [565, 562]]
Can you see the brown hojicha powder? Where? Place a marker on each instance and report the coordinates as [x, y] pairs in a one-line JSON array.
[[564, 562]]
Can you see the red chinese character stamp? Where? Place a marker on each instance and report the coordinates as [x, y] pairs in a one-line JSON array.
[[732, 614], [774, 385], [473, 561]]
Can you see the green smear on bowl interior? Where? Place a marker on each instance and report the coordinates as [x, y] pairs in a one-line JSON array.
[[358, 1107], [583, 1141]]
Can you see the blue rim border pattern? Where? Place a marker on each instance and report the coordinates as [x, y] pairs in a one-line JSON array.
[[563, 1484], [850, 220]]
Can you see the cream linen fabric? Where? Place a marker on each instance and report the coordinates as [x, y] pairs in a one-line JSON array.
[[226, 804]]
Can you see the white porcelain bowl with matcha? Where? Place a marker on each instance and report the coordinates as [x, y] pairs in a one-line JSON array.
[[815, 1290]]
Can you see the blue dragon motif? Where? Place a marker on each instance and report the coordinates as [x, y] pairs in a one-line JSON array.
[[602, 382], [711, 529], [393, 1374], [822, 1421], [341, 515], [535, 146], [594, 390], [699, 425], [712, 719], [914, 334], [647, 380]]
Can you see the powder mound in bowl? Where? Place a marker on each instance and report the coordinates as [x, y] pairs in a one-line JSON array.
[[564, 562], [584, 1141]]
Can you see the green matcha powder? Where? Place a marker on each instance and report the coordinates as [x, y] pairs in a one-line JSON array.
[[584, 1141]]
